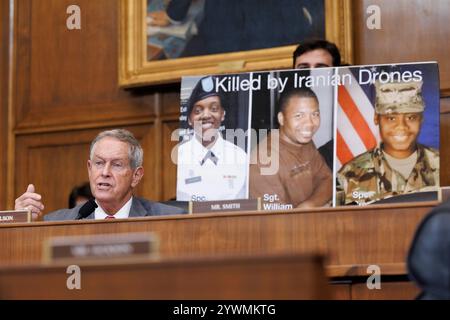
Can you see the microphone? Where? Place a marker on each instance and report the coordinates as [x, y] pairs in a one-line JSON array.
[[86, 209]]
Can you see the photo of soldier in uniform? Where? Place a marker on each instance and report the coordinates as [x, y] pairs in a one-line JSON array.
[[209, 166], [399, 163]]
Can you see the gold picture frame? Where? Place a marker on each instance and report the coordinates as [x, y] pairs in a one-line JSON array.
[[136, 70]]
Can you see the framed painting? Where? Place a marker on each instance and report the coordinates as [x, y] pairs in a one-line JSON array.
[[213, 37]]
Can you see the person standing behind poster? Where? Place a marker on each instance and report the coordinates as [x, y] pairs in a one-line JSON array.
[[399, 164], [318, 53], [209, 167], [303, 179]]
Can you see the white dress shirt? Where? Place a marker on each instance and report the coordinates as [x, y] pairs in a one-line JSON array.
[[220, 176], [123, 213]]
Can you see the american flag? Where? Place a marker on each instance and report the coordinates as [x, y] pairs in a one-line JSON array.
[[356, 131]]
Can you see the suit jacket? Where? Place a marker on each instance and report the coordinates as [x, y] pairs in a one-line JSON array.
[[139, 208]]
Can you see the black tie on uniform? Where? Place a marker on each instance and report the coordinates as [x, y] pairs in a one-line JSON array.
[[210, 155]]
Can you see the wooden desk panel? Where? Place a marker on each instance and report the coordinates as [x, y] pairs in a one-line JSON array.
[[401, 290], [263, 277], [351, 238], [356, 289]]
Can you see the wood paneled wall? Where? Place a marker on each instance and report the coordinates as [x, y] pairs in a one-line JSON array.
[[4, 29], [65, 90], [411, 30]]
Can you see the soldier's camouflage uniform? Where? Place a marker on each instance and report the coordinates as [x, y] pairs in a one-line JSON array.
[[369, 178]]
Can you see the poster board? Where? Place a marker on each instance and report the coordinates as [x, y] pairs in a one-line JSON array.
[[343, 153]]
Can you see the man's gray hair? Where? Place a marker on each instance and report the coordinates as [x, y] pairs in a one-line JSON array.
[[135, 152]]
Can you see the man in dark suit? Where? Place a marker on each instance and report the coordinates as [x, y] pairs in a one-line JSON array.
[[115, 169]]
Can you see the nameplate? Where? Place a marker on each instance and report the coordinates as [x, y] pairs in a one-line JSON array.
[[444, 194], [12, 216], [224, 206], [101, 247]]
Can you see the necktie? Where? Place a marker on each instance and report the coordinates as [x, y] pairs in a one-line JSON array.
[[210, 155], [110, 217]]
